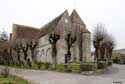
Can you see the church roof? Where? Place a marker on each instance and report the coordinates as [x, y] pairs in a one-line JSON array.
[[27, 32], [24, 32], [51, 25], [75, 18]]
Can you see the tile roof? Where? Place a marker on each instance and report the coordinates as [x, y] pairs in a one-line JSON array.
[[24, 32], [51, 25], [75, 18]]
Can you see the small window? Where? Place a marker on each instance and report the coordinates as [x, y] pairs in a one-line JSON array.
[[66, 21]]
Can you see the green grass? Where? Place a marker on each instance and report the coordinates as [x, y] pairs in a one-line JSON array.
[[12, 80]]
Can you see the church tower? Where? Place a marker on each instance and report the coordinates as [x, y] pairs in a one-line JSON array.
[[83, 37]]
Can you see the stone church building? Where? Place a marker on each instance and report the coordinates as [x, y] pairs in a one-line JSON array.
[[63, 25]]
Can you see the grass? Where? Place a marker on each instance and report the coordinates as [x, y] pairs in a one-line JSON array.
[[12, 80]]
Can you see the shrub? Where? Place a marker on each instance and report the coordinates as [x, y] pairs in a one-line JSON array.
[[39, 64], [61, 67], [116, 60], [5, 72], [75, 67], [47, 65], [88, 66], [102, 65]]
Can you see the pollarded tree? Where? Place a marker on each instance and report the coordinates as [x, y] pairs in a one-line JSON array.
[[32, 45], [24, 49], [69, 40], [53, 39], [17, 49], [109, 44], [5, 48], [98, 36]]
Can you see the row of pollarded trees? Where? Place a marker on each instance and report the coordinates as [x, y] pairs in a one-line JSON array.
[[16, 51], [53, 39], [22, 48], [103, 43]]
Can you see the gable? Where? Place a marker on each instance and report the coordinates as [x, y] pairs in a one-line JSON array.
[[50, 26], [77, 22], [64, 25]]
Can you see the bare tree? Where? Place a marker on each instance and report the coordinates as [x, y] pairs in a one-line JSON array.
[[69, 40], [24, 49], [6, 50], [17, 49], [53, 39], [32, 45], [109, 44], [98, 36]]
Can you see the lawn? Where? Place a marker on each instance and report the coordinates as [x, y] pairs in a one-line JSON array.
[[12, 80]]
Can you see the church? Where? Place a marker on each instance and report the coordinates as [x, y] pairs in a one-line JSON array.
[[62, 24]]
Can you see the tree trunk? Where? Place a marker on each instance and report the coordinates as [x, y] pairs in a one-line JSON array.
[[54, 51], [10, 54], [102, 53], [96, 54], [32, 54], [69, 59], [18, 59]]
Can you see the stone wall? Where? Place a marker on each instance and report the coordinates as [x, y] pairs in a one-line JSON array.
[[86, 46]]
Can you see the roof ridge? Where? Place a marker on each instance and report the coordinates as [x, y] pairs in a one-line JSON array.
[[23, 26], [75, 13], [51, 25]]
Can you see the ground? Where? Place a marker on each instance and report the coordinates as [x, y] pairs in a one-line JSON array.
[[116, 75]]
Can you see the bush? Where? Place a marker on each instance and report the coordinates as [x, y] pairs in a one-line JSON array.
[[116, 60], [61, 67], [102, 65], [39, 64], [75, 67], [47, 65], [88, 66], [5, 72]]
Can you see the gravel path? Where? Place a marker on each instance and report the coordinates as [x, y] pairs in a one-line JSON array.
[[116, 74]]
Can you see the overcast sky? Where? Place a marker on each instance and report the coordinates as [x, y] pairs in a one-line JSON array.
[[36, 13]]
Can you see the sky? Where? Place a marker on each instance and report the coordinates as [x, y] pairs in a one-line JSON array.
[[36, 13]]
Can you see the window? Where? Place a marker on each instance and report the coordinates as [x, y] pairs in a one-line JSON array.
[[66, 21]]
